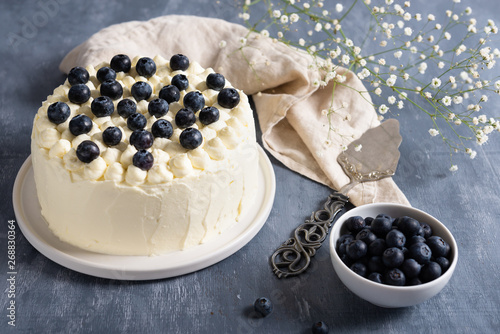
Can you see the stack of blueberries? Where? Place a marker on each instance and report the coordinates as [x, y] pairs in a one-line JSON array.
[[400, 251]]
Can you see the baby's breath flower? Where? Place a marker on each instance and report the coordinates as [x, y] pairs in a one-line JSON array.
[[468, 11], [302, 42], [345, 59], [284, 19], [264, 33], [307, 5], [435, 82], [391, 81], [294, 17], [446, 100], [457, 99], [453, 168], [431, 17], [383, 109], [408, 31], [358, 147], [243, 40], [276, 13], [398, 54], [222, 44], [400, 104], [318, 27], [433, 132], [339, 7], [391, 99]]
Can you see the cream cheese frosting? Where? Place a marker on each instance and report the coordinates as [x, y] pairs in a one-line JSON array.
[[111, 206]]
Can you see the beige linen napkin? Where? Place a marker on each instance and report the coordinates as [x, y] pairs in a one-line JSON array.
[[288, 100]]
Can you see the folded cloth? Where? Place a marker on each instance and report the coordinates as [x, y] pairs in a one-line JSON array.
[[284, 82]]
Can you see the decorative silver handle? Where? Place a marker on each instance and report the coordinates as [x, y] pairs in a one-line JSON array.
[[294, 256]]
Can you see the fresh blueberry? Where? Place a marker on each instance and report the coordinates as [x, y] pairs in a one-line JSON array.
[[105, 73], [406, 252], [409, 226], [121, 63], [216, 81], [141, 90], [162, 129], [346, 260], [375, 264], [395, 277], [342, 243], [126, 107], [368, 221], [411, 268], [355, 224], [179, 62], [79, 93], [87, 151], [102, 106], [438, 246], [190, 138], [263, 306], [320, 327], [78, 75], [208, 115], [158, 108], [180, 81], [80, 124], [58, 112], [377, 247], [143, 159], [376, 277], [413, 281], [359, 268], [381, 225], [141, 139], [415, 239], [170, 93], [430, 271], [443, 262], [395, 238], [112, 136], [366, 236], [228, 98], [136, 121], [427, 229], [145, 67], [356, 249], [185, 118], [393, 257], [194, 100], [112, 89], [420, 252]]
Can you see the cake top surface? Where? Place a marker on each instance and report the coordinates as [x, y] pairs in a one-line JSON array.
[[142, 121]]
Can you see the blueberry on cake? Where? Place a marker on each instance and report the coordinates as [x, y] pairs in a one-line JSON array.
[[144, 156]]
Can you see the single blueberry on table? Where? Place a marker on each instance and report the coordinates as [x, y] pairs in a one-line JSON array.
[[185, 118], [430, 271], [443, 262], [105, 73], [208, 115], [158, 108], [180, 81], [381, 225], [169, 93], [162, 129], [126, 107], [263, 306], [411, 268], [393, 257], [136, 121], [141, 90], [145, 67], [141, 139], [78, 75], [190, 138], [179, 62], [58, 112], [366, 235], [120, 63], [359, 268], [194, 100], [112, 136], [377, 247], [320, 327], [395, 277], [375, 264], [79, 93], [228, 98], [216, 81], [438, 246], [356, 249], [409, 226], [376, 277], [102, 106], [80, 124], [355, 224], [395, 238], [421, 252], [112, 89], [87, 151], [143, 159]]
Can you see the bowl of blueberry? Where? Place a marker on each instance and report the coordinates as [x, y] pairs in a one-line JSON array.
[[392, 255]]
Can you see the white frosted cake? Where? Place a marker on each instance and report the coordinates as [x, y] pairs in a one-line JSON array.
[[144, 156]]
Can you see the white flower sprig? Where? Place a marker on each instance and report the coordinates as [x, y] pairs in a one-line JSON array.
[[453, 45]]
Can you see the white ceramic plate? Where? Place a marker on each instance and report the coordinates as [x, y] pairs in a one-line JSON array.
[[35, 229]]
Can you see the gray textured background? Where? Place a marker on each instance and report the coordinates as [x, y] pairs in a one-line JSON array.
[[53, 299]]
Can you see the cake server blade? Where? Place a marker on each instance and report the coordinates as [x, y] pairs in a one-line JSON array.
[[372, 157]]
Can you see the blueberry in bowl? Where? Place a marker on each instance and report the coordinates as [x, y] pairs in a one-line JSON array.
[[401, 267]]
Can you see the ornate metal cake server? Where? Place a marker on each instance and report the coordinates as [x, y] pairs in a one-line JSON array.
[[373, 156]]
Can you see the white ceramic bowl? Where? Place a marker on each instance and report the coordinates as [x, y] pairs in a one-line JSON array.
[[386, 295]]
